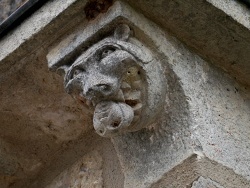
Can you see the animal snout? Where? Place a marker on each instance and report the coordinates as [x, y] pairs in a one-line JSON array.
[[100, 89]]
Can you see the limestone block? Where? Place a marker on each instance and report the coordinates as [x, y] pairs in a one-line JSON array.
[[205, 183], [85, 173]]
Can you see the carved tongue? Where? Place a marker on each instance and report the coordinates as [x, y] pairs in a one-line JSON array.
[[111, 117]]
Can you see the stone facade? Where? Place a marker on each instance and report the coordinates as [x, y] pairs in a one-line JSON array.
[[127, 94]]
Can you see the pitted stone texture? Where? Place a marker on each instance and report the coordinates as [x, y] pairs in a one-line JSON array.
[[85, 173], [37, 119], [148, 154], [235, 9], [194, 167], [217, 30], [218, 106], [194, 86], [205, 183]]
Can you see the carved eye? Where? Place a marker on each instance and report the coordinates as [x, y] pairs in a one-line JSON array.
[[77, 72], [107, 51]]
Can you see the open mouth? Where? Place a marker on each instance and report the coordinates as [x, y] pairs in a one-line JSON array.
[[110, 116], [114, 116], [117, 113]]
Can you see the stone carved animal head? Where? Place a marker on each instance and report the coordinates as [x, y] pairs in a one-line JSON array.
[[120, 81]]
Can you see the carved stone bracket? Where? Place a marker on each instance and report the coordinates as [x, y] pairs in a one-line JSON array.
[[116, 77]]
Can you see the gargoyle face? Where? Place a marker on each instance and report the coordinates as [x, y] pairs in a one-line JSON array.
[[118, 79], [109, 80]]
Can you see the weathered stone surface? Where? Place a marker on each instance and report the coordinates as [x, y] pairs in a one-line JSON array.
[[118, 77], [72, 153], [85, 173], [169, 136], [194, 167], [31, 35], [216, 30], [213, 100], [234, 9], [205, 183], [204, 111], [34, 125]]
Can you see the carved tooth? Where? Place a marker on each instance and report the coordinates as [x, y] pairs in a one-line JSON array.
[[137, 84], [125, 85], [137, 107], [126, 94], [134, 95], [120, 96]]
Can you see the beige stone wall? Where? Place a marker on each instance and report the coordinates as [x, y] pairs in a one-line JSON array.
[[87, 172]]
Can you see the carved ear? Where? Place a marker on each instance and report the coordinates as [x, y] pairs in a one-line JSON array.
[[122, 32], [62, 69]]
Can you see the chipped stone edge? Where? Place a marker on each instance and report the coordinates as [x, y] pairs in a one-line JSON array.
[[234, 9], [32, 26]]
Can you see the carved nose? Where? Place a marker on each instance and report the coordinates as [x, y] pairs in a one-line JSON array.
[[103, 89], [99, 90]]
